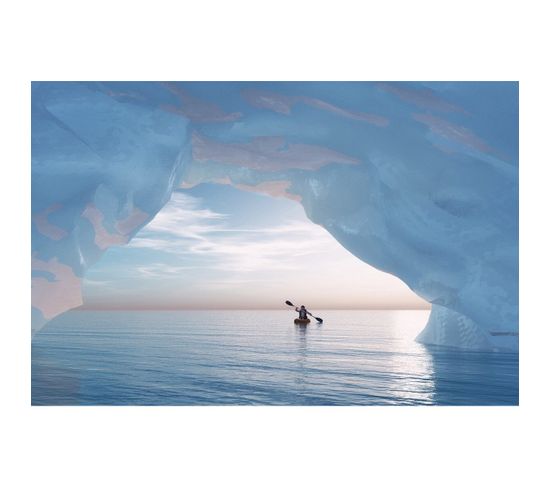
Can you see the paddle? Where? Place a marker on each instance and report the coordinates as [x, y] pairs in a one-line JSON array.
[[318, 319]]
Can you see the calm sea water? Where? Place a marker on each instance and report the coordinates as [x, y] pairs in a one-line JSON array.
[[259, 358]]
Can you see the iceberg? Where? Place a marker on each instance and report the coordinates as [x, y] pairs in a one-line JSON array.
[[419, 180]]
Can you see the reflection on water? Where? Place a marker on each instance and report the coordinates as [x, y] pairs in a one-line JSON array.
[[251, 358], [301, 357], [489, 378]]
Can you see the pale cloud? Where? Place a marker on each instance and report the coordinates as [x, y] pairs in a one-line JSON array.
[[162, 270], [181, 219], [184, 228], [275, 249]]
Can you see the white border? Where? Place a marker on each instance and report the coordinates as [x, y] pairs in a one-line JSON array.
[[265, 446]]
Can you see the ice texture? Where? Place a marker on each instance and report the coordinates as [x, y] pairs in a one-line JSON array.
[[417, 179]]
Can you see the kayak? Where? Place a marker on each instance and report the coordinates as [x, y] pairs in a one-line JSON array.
[[302, 321]]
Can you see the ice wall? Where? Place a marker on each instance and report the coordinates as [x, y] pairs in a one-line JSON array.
[[419, 180], [103, 164]]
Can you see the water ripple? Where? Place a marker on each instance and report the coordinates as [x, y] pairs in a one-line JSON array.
[[258, 358]]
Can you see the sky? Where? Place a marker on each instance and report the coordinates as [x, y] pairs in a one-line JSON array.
[[218, 247]]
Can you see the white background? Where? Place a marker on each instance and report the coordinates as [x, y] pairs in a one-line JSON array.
[[265, 446]]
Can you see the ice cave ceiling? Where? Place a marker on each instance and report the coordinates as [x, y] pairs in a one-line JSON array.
[[417, 179]]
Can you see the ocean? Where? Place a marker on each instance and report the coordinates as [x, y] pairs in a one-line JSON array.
[[253, 357]]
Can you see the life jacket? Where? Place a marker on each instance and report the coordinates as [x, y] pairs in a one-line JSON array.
[[303, 313]]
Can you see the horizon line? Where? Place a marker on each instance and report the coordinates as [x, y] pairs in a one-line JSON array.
[[119, 309]]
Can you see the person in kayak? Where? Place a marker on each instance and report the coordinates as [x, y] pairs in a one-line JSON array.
[[303, 312]]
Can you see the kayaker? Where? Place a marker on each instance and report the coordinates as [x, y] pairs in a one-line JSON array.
[[303, 312]]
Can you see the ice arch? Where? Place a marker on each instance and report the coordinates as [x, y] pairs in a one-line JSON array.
[[418, 179]]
